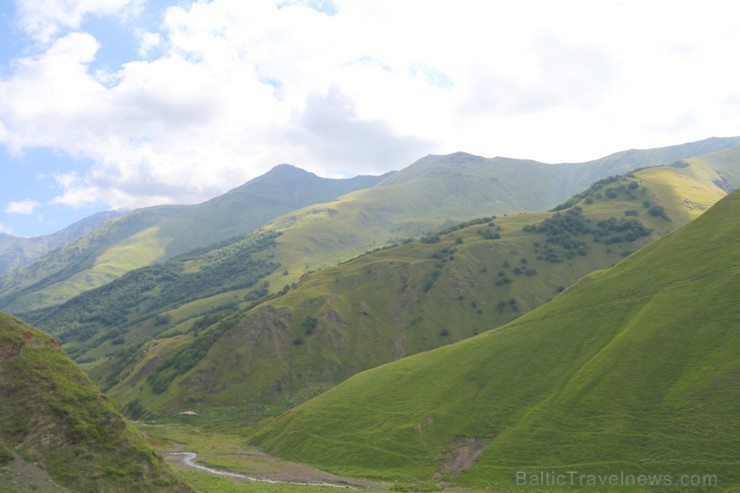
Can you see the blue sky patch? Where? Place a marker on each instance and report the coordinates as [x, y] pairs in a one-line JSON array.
[[29, 176], [433, 76], [324, 6]]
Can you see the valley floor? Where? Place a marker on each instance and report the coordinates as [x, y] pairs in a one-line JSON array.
[[265, 468], [219, 461]]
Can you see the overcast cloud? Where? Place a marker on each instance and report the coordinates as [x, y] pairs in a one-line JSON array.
[[213, 93]]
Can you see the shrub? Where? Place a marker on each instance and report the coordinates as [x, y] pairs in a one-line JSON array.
[[487, 234], [658, 211], [309, 325], [504, 280]]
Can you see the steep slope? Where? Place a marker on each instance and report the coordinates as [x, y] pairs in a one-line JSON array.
[[54, 420], [633, 370], [15, 251], [376, 308], [153, 234]]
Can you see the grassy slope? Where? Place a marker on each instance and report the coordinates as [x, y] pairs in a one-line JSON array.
[[632, 369], [149, 235], [17, 251], [434, 191], [625, 161], [136, 302], [53, 416], [75, 267], [438, 191], [398, 301]]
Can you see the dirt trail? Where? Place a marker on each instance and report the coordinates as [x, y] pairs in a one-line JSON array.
[[276, 471]]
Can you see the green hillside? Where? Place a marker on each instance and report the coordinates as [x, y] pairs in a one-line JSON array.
[[439, 191], [148, 292], [633, 370], [146, 236], [376, 308], [625, 161], [17, 251], [436, 191], [56, 425]]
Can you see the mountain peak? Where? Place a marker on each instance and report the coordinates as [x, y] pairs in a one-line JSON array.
[[287, 170]]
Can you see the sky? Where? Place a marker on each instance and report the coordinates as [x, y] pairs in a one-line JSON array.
[[119, 104]]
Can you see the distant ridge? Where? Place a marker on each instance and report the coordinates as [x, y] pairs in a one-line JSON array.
[[145, 236], [16, 251]]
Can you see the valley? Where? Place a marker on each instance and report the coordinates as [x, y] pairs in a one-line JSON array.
[[453, 325], [378, 307]]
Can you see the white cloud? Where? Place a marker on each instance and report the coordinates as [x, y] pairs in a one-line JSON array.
[[226, 89], [21, 207], [76, 192], [44, 19], [51, 100], [6, 230], [330, 127], [148, 41]]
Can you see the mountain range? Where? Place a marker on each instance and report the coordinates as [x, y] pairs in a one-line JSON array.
[[156, 337], [431, 193], [382, 305], [149, 235], [435, 325]]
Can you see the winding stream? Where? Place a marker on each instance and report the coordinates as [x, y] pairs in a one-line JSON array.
[[188, 458]]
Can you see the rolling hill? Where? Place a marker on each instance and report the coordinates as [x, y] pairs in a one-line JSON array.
[[58, 432], [146, 236], [630, 371], [166, 353]]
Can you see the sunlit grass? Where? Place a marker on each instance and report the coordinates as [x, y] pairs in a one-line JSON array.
[[631, 370]]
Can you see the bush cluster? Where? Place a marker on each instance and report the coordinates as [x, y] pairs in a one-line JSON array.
[[565, 232]]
